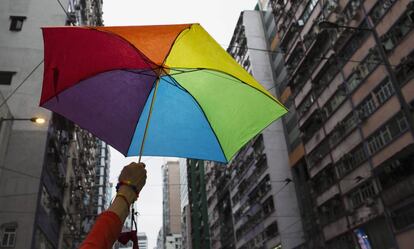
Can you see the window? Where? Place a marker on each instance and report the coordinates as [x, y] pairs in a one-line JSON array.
[[258, 145], [308, 10], [384, 92], [342, 128], [376, 142], [16, 23], [268, 206], [331, 210], [351, 160], [366, 107], [399, 30], [379, 10], [8, 235], [370, 62], [396, 171], [272, 230], [384, 135], [318, 153], [363, 192], [6, 77], [334, 103], [306, 103], [324, 179], [353, 44], [403, 217]]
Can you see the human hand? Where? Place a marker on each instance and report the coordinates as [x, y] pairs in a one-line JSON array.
[[136, 175]]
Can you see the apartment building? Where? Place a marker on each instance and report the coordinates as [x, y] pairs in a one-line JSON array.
[[47, 170], [142, 241], [171, 231], [102, 186], [263, 197], [185, 206], [219, 206], [200, 232], [348, 80]]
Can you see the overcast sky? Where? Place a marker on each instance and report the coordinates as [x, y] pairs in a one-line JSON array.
[[219, 18]]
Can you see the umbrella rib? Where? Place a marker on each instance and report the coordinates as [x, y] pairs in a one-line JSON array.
[[139, 72], [90, 76], [172, 45], [143, 56], [231, 78], [205, 116], [184, 71]]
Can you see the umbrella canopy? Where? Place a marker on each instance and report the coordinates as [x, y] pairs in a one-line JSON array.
[[171, 86]]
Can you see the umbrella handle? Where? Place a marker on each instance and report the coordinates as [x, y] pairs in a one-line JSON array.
[[148, 119]]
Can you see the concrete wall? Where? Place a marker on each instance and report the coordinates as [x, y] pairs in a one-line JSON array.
[[286, 206], [19, 186], [174, 197], [23, 144]]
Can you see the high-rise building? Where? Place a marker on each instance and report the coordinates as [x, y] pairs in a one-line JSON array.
[[102, 195], [348, 82], [185, 207], [160, 239], [171, 202], [47, 170], [196, 179], [142, 241], [24, 144], [219, 206], [85, 13], [264, 204]]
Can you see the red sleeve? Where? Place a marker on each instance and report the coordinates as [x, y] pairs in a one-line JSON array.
[[104, 233]]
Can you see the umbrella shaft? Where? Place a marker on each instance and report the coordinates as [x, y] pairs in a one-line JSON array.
[[148, 120]]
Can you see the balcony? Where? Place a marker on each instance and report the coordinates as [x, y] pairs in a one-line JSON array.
[[397, 177], [312, 124], [400, 191]]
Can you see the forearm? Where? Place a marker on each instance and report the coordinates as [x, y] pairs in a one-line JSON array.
[[104, 233]]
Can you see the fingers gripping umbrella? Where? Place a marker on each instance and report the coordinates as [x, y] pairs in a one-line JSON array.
[[154, 90]]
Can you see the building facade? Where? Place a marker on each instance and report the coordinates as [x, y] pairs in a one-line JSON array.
[[219, 206], [263, 197], [347, 79], [142, 241], [196, 179], [102, 187], [47, 171], [173, 241], [85, 13], [24, 144], [185, 207], [171, 202]]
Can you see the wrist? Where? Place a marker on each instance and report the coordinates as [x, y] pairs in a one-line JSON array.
[[128, 193]]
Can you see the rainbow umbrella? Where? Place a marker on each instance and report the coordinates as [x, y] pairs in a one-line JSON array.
[[167, 90]]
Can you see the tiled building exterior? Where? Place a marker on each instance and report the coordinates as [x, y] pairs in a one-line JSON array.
[[350, 92]]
